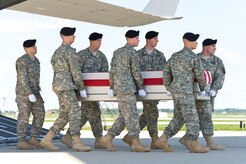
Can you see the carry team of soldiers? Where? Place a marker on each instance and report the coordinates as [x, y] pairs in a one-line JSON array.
[[126, 81]]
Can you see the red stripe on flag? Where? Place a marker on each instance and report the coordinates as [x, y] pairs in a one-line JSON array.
[[149, 81], [207, 77], [96, 83], [210, 77], [153, 81]]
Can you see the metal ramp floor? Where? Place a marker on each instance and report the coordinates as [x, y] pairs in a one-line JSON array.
[[8, 131]]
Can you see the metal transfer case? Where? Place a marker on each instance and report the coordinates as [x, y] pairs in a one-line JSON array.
[[97, 87]]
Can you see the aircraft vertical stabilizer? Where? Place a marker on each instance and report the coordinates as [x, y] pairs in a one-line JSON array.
[[161, 7]]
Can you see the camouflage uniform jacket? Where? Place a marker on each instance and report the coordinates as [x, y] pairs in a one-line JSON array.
[[28, 76], [67, 74], [151, 62], [215, 65], [180, 71], [92, 63], [125, 75]]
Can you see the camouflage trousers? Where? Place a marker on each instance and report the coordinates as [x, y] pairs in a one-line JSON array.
[[204, 109], [90, 111], [69, 113], [128, 116], [185, 112], [25, 108], [149, 117]]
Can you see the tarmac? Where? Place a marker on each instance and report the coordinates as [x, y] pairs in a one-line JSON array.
[[234, 141]]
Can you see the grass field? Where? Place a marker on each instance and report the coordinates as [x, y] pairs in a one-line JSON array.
[[221, 121]]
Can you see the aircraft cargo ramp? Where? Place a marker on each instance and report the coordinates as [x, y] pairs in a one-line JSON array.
[[8, 131]]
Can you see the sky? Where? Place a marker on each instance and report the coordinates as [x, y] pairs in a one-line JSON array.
[[224, 20]]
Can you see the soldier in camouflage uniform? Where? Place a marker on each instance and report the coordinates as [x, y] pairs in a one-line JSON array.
[[150, 59], [125, 78], [205, 108], [28, 97], [215, 65], [91, 60], [179, 74], [67, 79]]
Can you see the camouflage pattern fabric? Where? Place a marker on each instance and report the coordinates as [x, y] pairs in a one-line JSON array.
[[184, 112], [28, 79], [125, 78], [67, 75], [205, 108], [67, 78], [215, 65], [181, 70], [128, 116], [149, 117], [69, 113], [179, 74], [92, 63], [90, 111], [125, 75], [150, 62], [28, 76]]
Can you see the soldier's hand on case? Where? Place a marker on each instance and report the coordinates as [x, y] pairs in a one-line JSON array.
[[203, 93], [83, 93], [142, 93], [212, 93], [169, 93], [111, 93], [32, 98]]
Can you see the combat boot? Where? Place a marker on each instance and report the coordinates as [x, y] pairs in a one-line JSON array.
[[35, 142], [47, 142], [195, 147], [107, 142], [153, 145], [211, 145], [162, 143], [184, 141], [67, 140], [22, 145], [127, 140], [78, 145], [136, 146], [98, 143]]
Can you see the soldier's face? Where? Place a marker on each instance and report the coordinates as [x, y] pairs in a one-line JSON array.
[[136, 41], [71, 38], [32, 50], [96, 43], [211, 49], [194, 45], [153, 41]]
